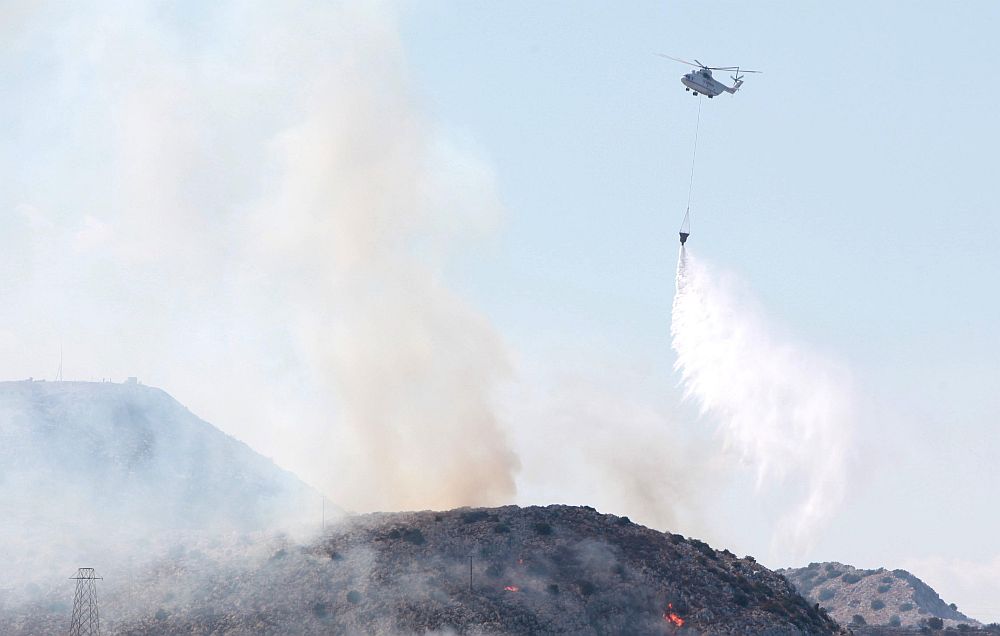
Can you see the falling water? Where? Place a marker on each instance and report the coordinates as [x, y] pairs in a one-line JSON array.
[[782, 408]]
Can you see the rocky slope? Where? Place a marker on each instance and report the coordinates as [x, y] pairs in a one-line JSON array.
[[510, 570], [880, 597]]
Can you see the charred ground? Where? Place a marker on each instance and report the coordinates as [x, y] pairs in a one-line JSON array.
[[556, 569]]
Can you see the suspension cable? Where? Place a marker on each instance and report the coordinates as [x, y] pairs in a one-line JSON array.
[[694, 155]]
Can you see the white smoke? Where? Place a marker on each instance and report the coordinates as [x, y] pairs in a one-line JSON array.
[[598, 432], [783, 409], [243, 204]]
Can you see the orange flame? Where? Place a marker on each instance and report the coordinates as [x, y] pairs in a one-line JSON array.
[[672, 617], [512, 588]]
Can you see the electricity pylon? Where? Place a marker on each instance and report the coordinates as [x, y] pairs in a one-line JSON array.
[[86, 618]]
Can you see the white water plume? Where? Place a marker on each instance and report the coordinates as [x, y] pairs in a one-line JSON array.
[[784, 409]]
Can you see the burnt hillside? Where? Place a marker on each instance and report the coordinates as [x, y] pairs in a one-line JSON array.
[[551, 570]]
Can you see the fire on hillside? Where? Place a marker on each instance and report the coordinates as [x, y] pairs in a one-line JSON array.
[[671, 616]]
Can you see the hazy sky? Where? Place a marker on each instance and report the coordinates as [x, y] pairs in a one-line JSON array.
[[848, 186]]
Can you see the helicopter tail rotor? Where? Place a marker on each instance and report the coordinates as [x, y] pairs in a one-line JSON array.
[[738, 78]]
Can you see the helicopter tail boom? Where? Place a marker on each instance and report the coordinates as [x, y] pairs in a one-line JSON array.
[[735, 87]]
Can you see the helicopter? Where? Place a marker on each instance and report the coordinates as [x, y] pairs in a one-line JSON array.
[[702, 82]]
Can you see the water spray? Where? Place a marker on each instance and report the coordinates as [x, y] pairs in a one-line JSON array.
[[784, 410]]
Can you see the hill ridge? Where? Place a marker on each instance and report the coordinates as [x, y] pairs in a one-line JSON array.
[[880, 596]]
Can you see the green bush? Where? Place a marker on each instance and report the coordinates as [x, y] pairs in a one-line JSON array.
[[877, 604], [414, 536], [906, 607], [475, 515], [895, 621], [704, 548], [826, 594], [850, 579], [321, 610], [354, 596], [543, 529], [935, 623], [858, 619]]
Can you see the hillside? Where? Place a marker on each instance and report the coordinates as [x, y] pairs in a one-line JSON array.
[[510, 570], [94, 472], [880, 597]]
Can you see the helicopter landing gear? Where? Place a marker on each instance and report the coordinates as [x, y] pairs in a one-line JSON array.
[[711, 96]]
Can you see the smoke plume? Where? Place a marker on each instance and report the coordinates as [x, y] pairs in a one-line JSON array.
[[364, 189], [622, 447], [783, 409], [243, 204]]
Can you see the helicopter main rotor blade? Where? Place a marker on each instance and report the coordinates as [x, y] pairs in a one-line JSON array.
[[677, 59], [731, 68], [711, 68]]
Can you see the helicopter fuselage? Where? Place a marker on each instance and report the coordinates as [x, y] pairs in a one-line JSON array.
[[702, 82]]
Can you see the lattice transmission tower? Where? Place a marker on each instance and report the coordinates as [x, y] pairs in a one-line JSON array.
[[86, 618]]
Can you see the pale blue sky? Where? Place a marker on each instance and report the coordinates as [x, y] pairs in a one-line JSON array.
[[849, 182], [851, 185]]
